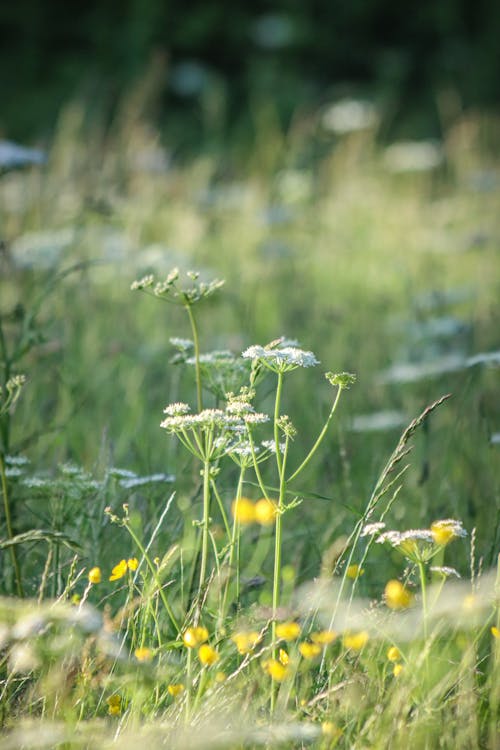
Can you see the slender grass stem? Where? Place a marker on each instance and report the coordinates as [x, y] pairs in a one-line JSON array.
[[205, 524], [10, 533], [319, 439], [423, 589], [277, 404], [196, 343]]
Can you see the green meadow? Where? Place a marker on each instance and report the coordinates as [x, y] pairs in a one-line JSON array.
[[204, 541]]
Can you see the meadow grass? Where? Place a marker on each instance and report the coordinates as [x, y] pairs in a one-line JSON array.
[[207, 542]]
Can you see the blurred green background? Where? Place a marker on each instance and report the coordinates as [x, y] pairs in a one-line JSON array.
[[338, 164], [422, 62]]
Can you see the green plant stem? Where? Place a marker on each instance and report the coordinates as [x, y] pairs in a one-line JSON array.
[[277, 403], [234, 549], [277, 563], [205, 524], [10, 533], [196, 343], [154, 573], [423, 589], [319, 438]]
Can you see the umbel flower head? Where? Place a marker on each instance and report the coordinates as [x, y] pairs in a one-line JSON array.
[[171, 290], [418, 545], [279, 357]]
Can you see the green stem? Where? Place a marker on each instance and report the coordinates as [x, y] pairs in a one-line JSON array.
[[276, 418], [10, 533], [234, 549], [319, 438], [196, 342], [423, 588], [205, 524], [277, 563]]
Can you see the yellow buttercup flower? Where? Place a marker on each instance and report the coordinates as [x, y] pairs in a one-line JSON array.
[[393, 654], [265, 511], [397, 669], [95, 575], [193, 637], [119, 570], [329, 729], [114, 704], [444, 531], [495, 632], [220, 677], [208, 655], [175, 689], [397, 595], [243, 511], [245, 641], [323, 637], [283, 657], [354, 571], [143, 654], [309, 650], [288, 631], [275, 670], [356, 641]]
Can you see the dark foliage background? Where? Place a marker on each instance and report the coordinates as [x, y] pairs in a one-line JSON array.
[[409, 54]]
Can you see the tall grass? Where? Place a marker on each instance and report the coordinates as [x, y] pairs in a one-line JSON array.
[[201, 588]]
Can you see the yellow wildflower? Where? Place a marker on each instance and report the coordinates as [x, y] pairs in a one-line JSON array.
[[220, 677], [275, 670], [175, 689], [397, 669], [354, 571], [143, 654], [114, 704], [245, 641], [193, 637], [323, 637], [265, 511], [444, 531], [288, 631], [309, 650], [397, 596], [393, 654], [132, 563], [118, 571], [95, 575], [329, 729], [243, 510], [355, 641], [495, 632], [283, 657], [208, 655]]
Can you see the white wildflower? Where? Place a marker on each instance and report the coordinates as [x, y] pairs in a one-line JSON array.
[[281, 359], [372, 528], [177, 409], [445, 571]]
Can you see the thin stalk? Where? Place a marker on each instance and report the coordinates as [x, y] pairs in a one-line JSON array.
[[277, 562], [234, 549], [196, 343], [10, 533], [206, 520], [319, 438], [423, 588], [276, 418], [256, 466]]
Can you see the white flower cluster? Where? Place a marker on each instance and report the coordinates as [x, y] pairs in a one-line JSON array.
[[397, 538], [281, 358]]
